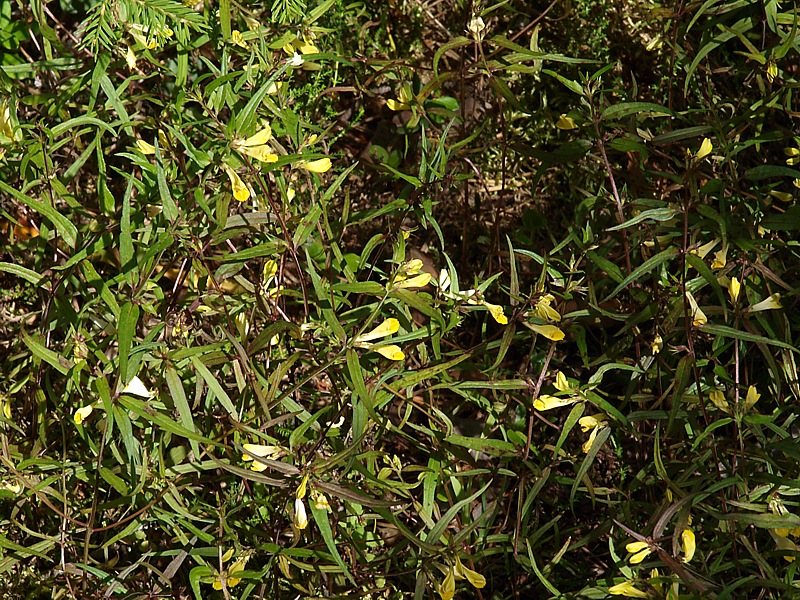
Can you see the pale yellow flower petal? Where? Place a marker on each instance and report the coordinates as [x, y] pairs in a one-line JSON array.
[[689, 544], [546, 402], [300, 516], [238, 39], [497, 313], [627, 589], [317, 166], [389, 351], [388, 327], [144, 147], [657, 345], [240, 191], [561, 383], [587, 445], [782, 196], [771, 303], [448, 588], [718, 398], [698, 316], [82, 414], [639, 556], [417, 281], [590, 422], [137, 388], [396, 105], [703, 250], [733, 288], [301, 490], [14, 488], [320, 501], [475, 579], [752, 397], [551, 332], [566, 123], [130, 58], [705, 149], [720, 258]]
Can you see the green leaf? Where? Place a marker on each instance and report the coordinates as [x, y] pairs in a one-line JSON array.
[[656, 214], [63, 226], [624, 109], [736, 334], [215, 387], [126, 329], [28, 275], [646, 267], [178, 394], [324, 526], [487, 445]]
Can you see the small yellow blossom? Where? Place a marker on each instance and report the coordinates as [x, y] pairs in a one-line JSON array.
[[238, 39], [545, 311], [320, 501], [476, 28], [793, 154], [772, 71], [551, 332], [782, 196], [262, 451], [689, 544], [475, 579], [130, 58], [137, 388], [82, 414], [301, 490], [566, 123], [403, 101], [226, 576], [591, 421], [720, 258], [547, 402], [718, 398], [657, 345], [388, 327], [300, 519], [317, 166], [145, 147], [627, 589], [733, 288], [240, 191], [698, 316], [410, 275], [390, 351], [771, 303], [703, 250], [705, 149], [7, 486], [561, 383], [6, 128], [640, 551], [396, 105], [448, 588], [784, 543], [496, 312], [257, 146], [417, 281], [751, 398], [5, 404]]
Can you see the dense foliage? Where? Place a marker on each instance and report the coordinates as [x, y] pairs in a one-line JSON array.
[[316, 298]]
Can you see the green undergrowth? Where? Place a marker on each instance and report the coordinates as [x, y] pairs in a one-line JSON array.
[[314, 299]]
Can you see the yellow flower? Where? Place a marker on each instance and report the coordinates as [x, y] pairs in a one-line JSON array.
[[782, 196], [238, 39], [396, 105], [771, 303], [6, 129], [301, 490], [545, 311], [547, 402], [496, 312], [388, 327], [300, 519], [389, 351], [703, 250], [551, 332], [698, 316], [82, 414], [733, 288], [5, 404], [137, 388], [14, 488], [130, 58], [657, 345], [718, 398], [476, 28], [591, 421], [627, 589], [561, 383], [784, 543], [225, 576], [144, 147], [317, 166], [720, 258], [257, 146], [240, 191], [262, 451], [448, 588], [705, 149], [793, 154], [752, 397], [566, 123], [772, 71], [320, 501], [587, 445], [417, 281], [640, 551], [689, 544], [476, 579]]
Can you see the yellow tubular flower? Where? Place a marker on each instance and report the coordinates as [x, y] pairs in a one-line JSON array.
[[475, 579], [733, 288], [448, 588], [144, 147], [551, 332], [497, 313], [320, 501], [257, 146], [752, 397], [317, 166], [720, 258], [82, 414], [561, 383], [689, 544], [389, 351], [262, 451], [640, 551], [657, 345], [718, 398], [545, 402], [545, 311], [771, 303], [137, 388], [300, 516], [566, 123], [388, 327], [417, 281], [698, 316], [240, 191], [587, 445], [793, 154], [627, 589], [705, 149]]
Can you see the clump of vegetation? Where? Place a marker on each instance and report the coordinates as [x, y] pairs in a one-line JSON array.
[[307, 299]]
